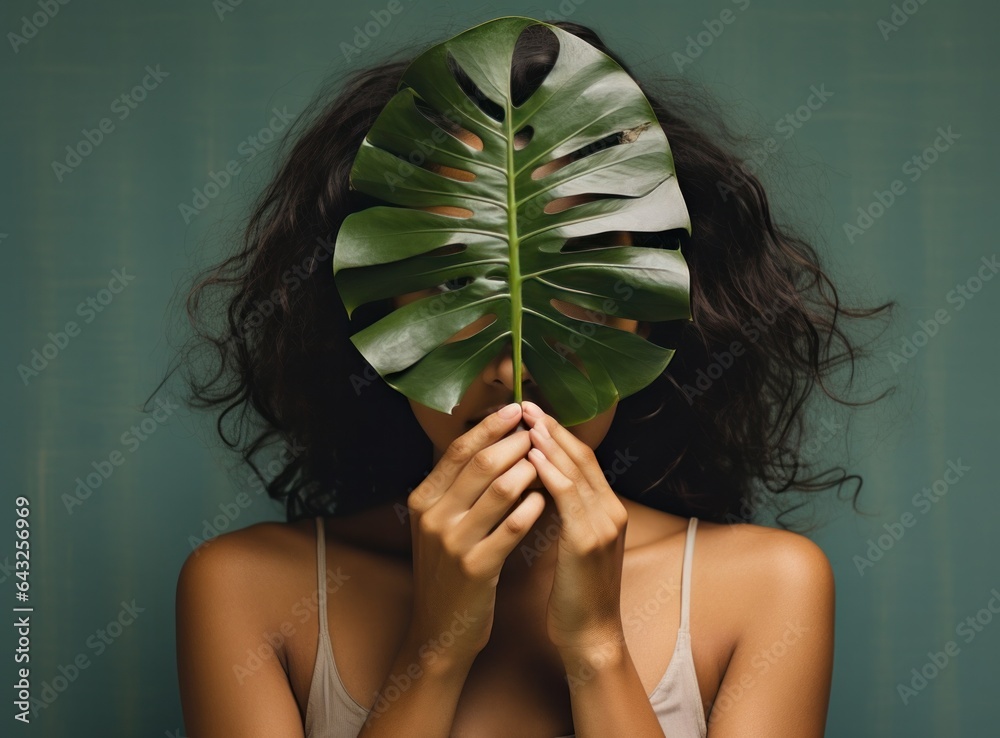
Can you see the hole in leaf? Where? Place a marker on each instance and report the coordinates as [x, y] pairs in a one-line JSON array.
[[612, 139], [598, 241], [477, 326], [451, 286], [565, 203], [448, 125], [473, 92], [460, 175], [449, 210], [540, 46], [572, 310], [600, 317], [572, 201], [523, 137]]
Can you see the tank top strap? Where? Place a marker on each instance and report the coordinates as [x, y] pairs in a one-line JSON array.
[[321, 572], [686, 574]]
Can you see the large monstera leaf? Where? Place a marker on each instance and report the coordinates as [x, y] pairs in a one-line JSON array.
[[509, 248]]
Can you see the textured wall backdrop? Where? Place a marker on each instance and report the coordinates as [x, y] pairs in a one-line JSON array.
[[119, 124]]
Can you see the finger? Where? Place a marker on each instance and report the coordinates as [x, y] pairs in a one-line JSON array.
[[460, 451], [495, 501], [482, 470], [581, 454], [541, 438], [513, 528], [570, 506]]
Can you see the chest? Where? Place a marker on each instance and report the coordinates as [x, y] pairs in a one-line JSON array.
[[518, 673]]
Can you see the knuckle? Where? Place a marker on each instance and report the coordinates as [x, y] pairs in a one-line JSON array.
[[427, 525], [449, 544], [564, 485], [415, 501], [469, 566], [514, 526], [620, 516], [483, 461], [460, 449], [501, 489]]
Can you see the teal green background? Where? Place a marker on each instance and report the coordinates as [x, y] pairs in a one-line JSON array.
[[119, 210]]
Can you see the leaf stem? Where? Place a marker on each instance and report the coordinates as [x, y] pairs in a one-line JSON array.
[[514, 272]]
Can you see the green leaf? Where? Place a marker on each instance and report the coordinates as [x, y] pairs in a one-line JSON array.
[[509, 247]]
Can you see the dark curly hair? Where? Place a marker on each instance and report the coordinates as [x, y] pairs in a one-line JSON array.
[[719, 434]]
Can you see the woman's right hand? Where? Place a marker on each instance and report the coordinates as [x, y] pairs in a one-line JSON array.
[[456, 559]]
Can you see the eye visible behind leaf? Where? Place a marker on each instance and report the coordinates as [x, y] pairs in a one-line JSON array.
[[451, 284]]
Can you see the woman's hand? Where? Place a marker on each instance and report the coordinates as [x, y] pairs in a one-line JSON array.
[[457, 556], [584, 609]]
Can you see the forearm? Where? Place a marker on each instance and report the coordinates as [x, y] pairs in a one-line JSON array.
[[607, 695], [422, 689]]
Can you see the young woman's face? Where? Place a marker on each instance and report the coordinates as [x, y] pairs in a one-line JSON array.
[[494, 387]]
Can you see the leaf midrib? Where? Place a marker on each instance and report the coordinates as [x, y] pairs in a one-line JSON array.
[[513, 244]]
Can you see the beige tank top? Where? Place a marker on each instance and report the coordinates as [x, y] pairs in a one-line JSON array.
[[332, 713]]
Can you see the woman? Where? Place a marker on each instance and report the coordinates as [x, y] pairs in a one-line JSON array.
[[459, 575]]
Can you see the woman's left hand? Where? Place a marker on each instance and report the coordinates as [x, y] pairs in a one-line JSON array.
[[584, 608]]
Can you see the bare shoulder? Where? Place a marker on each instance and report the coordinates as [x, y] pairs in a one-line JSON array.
[[763, 560], [246, 555], [234, 568], [230, 590], [771, 593]]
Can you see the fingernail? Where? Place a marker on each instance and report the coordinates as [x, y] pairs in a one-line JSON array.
[[508, 411], [531, 408]]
